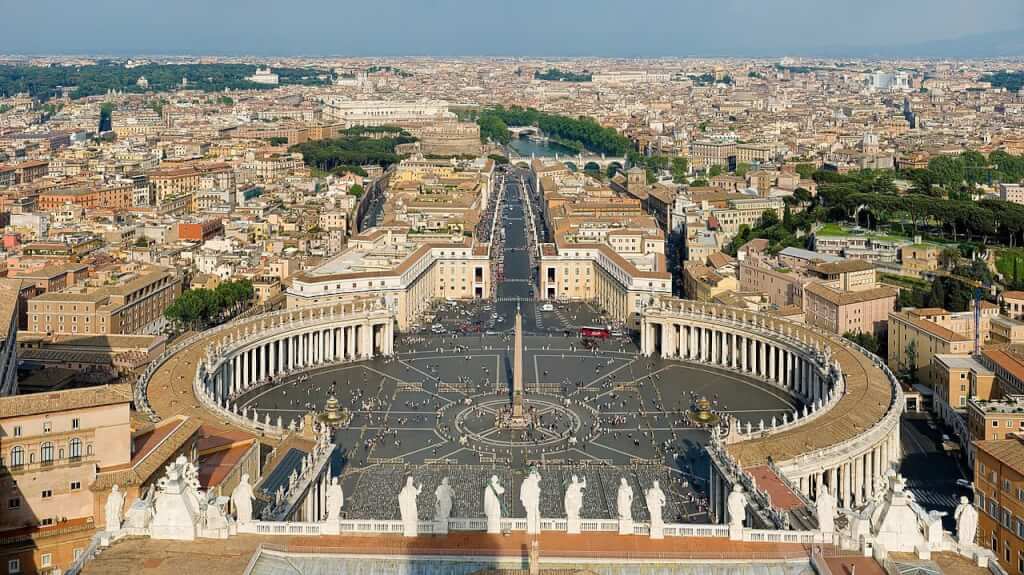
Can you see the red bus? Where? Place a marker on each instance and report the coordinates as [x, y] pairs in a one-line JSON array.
[[598, 332]]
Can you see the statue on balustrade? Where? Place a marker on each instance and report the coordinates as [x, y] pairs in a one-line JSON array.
[[655, 503], [115, 503], [335, 500], [407, 508], [492, 504], [241, 500], [966, 522], [529, 496], [737, 505], [443, 505], [624, 506], [825, 506], [573, 504]]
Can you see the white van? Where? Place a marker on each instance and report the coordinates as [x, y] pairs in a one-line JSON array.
[[547, 307]]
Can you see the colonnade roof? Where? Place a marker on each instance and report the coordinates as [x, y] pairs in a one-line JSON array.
[[866, 401], [170, 390]]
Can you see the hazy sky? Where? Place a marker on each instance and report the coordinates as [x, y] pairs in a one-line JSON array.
[[495, 27]]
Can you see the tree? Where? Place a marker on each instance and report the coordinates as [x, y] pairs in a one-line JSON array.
[[742, 168], [715, 170], [356, 190], [806, 171], [680, 168]]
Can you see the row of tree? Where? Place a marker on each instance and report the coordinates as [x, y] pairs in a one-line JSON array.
[[577, 133], [42, 82], [556, 75], [352, 150], [200, 308]]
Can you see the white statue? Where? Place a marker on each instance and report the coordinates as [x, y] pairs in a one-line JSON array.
[[573, 503], [655, 502], [115, 502], [966, 522], [443, 506], [492, 504], [241, 500], [335, 500], [407, 508], [737, 506], [529, 496], [624, 506], [624, 501], [825, 506]]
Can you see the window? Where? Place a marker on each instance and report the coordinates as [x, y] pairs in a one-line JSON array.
[[76, 485], [46, 494], [14, 566], [47, 426], [17, 431], [46, 452], [75, 423], [46, 560], [14, 503], [46, 521], [1006, 484], [75, 448]]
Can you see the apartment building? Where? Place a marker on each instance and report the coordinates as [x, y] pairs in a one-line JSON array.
[[134, 304], [916, 335], [840, 311], [52, 446], [999, 498]]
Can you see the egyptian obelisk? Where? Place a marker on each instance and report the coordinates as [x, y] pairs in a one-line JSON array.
[[517, 371]]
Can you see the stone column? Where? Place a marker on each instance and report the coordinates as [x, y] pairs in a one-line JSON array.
[[367, 340], [845, 493]]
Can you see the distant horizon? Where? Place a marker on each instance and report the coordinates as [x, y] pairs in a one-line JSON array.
[[649, 29]]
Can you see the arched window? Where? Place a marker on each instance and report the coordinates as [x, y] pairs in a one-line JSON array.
[[17, 456], [46, 452], [75, 448], [88, 450]]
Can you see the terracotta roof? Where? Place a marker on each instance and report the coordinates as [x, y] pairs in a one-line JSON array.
[[837, 297], [158, 453], [1009, 451], [49, 402], [844, 266]]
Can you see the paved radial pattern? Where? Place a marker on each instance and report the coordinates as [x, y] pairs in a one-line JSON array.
[[433, 410]]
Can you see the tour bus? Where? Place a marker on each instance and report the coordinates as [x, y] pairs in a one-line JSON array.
[[598, 332]]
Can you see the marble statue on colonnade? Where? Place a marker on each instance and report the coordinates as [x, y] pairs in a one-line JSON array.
[[443, 504], [825, 506], [624, 506], [573, 504], [737, 506], [115, 503], [966, 522], [529, 496], [407, 507], [492, 504], [241, 500], [655, 503], [335, 500]]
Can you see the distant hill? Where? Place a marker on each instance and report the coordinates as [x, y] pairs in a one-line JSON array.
[[1005, 44]]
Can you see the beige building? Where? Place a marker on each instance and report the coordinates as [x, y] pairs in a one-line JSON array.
[[862, 311], [134, 305], [407, 273], [917, 335], [702, 283], [52, 446]]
